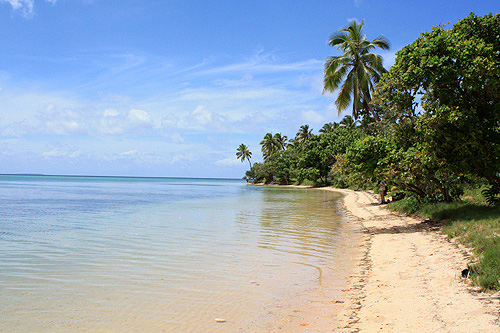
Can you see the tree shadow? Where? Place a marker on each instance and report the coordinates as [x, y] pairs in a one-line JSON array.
[[469, 212], [423, 226]]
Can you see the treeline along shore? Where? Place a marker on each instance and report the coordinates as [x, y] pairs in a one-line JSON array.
[[425, 132]]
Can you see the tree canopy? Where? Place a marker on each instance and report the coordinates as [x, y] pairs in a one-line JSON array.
[[439, 112], [356, 71]]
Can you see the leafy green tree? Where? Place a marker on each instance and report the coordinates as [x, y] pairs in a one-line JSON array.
[[260, 173], [356, 71], [443, 96], [320, 153], [283, 166], [242, 153]]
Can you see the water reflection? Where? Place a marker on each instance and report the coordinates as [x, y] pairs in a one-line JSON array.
[[304, 222]]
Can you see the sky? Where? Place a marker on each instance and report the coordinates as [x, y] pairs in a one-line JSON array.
[[172, 88]]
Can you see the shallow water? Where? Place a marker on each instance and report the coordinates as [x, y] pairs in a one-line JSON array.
[[135, 254]]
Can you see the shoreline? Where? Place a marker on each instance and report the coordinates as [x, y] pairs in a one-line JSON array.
[[403, 275], [407, 276]]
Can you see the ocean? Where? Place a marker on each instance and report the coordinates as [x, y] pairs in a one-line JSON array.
[[162, 254]]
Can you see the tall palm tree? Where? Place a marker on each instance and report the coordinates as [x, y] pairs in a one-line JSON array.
[[303, 134], [269, 146], [281, 141], [242, 153], [356, 71]]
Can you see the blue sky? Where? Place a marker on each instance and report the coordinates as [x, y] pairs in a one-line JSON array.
[[171, 88]]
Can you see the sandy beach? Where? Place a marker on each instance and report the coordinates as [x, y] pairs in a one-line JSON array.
[[404, 276], [408, 277]]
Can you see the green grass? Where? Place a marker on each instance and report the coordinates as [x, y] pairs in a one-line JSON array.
[[472, 223]]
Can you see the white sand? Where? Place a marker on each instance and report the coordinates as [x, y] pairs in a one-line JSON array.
[[408, 278]]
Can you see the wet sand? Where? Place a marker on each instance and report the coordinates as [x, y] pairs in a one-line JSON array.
[[401, 275]]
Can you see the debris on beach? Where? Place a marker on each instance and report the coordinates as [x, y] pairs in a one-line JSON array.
[[220, 320]]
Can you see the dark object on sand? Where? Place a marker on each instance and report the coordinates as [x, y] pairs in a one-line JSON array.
[[465, 273]]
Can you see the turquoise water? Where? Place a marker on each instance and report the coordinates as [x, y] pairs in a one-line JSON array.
[[133, 254]]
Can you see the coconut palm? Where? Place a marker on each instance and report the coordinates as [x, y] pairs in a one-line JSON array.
[[348, 121], [356, 71], [302, 135], [269, 146], [328, 128], [281, 141], [242, 153]]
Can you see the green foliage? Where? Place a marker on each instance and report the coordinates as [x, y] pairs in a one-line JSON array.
[[260, 173], [438, 134], [242, 153], [487, 270], [283, 166], [492, 196], [320, 153], [442, 99], [355, 71]]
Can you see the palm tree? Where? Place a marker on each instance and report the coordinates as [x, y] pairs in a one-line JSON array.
[[281, 141], [303, 134], [243, 153], [328, 128], [269, 146], [356, 71], [348, 121]]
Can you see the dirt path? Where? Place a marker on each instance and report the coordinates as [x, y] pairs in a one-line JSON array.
[[409, 278]]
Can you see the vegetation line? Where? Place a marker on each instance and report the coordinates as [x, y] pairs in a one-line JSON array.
[[428, 129]]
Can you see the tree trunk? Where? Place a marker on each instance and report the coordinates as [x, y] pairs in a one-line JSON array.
[[444, 190], [414, 189], [371, 109]]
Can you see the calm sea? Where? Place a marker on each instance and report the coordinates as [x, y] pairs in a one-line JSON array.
[[152, 254]]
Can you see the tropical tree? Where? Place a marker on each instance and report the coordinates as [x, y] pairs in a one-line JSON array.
[[269, 146], [348, 121], [242, 153], [280, 141], [303, 135], [443, 92], [328, 128], [356, 71]]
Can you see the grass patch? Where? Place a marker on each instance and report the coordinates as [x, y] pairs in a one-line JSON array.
[[472, 223]]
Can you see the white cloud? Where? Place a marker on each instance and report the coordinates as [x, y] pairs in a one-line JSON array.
[[129, 153], [111, 123], [202, 118], [25, 7], [170, 121], [110, 113], [259, 66], [181, 157], [313, 116], [228, 161], [62, 122], [139, 118], [61, 152]]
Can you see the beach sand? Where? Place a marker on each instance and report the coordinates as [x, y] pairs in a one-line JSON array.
[[404, 276]]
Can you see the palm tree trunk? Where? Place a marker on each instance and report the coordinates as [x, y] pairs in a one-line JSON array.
[[370, 108]]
